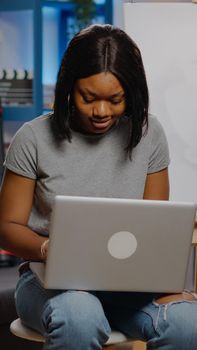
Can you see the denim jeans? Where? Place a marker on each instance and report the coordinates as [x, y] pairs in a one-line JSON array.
[[77, 320]]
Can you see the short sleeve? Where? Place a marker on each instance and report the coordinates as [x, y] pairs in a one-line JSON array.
[[159, 158], [22, 153]]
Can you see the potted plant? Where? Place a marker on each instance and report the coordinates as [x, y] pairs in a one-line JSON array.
[[84, 11]]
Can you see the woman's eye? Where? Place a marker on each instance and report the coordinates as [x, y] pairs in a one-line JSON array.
[[116, 102], [87, 100]]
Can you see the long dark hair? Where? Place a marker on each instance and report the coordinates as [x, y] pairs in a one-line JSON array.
[[96, 49]]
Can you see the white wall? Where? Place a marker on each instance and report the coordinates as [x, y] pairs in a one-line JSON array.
[[166, 36]]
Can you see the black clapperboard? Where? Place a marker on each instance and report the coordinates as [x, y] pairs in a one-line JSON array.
[[16, 87]]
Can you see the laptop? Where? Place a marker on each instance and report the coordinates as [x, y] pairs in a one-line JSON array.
[[118, 245]]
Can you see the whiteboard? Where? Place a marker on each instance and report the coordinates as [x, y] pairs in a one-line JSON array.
[[166, 34]]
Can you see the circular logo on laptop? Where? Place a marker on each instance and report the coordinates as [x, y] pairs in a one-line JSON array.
[[122, 245]]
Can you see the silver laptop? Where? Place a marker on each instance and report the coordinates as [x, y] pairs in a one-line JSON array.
[[118, 245]]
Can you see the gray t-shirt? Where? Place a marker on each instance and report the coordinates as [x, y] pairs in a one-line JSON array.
[[91, 165]]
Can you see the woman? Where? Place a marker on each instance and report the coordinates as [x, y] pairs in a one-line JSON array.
[[99, 141]]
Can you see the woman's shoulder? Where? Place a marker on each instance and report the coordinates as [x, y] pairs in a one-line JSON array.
[[155, 128], [154, 123], [39, 123], [35, 128]]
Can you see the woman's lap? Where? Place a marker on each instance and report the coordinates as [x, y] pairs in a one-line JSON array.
[[69, 320], [168, 326]]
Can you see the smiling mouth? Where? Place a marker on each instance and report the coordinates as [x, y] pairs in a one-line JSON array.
[[101, 120]]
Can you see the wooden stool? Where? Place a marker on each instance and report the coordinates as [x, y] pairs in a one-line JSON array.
[[19, 330]]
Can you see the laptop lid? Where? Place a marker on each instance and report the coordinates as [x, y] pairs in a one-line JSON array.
[[118, 244]]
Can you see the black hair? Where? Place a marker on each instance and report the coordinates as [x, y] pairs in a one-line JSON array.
[[103, 48]]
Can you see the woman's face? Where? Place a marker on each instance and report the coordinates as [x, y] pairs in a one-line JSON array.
[[99, 102]]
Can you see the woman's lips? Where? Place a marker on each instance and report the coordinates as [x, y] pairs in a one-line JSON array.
[[101, 123]]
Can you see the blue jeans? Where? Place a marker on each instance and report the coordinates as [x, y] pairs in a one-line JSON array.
[[77, 320]]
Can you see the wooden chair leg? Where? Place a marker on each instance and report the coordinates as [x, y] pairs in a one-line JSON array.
[[138, 345], [130, 345], [194, 243], [120, 346]]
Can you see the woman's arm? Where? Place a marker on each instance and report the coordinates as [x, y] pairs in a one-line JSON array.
[[16, 199], [157, 186]]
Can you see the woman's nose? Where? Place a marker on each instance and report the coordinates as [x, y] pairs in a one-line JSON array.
[[101, 109]]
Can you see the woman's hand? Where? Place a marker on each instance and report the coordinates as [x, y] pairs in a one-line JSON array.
[[44, 249]]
